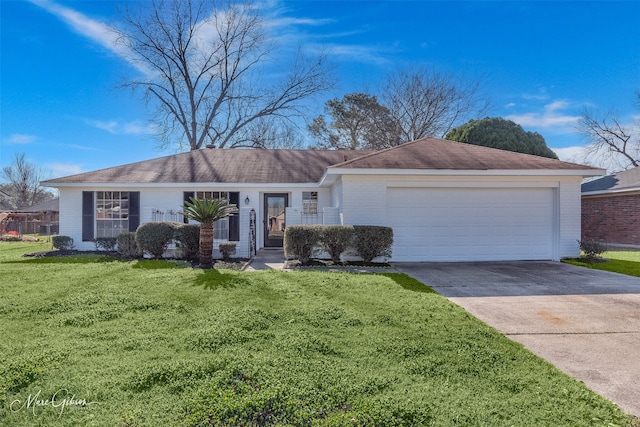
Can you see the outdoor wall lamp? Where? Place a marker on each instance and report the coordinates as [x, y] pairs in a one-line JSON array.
[[246, 201]]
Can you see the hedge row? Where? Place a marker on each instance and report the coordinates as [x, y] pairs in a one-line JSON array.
[[367, 241], [154, 237]]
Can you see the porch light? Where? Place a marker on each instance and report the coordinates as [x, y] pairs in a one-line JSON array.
[[246, 201]]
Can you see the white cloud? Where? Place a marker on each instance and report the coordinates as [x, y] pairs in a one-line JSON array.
[[63, 169], [584, 156], [96, 31], [292, 31], [20, 139], [575, 154], [116, 128], [109, 126], [551, 117], [540, 96], [80, 147], [510, 105], [135, 128]]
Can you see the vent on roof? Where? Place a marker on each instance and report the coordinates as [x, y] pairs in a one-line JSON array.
[[345, 158], [211, 146]]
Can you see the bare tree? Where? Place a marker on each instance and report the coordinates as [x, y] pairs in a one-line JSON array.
[[208, 71], [22, 183], [429, 103], [610, 141], [269, 132]]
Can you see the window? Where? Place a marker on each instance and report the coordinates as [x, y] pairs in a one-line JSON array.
[[112, 213], [220, 227], [310, 202]]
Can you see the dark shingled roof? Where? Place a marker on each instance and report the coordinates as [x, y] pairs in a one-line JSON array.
[[432, 153], [306, 166], [52, 205], [224, 166], [621, 181]]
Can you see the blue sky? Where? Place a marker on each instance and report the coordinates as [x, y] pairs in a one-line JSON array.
[[541, 64]]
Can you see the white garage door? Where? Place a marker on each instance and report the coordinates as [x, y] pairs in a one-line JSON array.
[[461, 224]]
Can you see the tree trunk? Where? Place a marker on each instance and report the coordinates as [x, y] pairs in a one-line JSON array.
[[206, 245]]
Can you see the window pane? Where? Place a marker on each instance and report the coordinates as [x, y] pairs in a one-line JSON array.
[[112, 213]]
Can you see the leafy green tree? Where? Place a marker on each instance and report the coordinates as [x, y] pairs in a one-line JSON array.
[[357, 121], [206, 212], [496, 132]]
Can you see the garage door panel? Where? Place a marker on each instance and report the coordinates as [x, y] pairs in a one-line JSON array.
[[459, 224]]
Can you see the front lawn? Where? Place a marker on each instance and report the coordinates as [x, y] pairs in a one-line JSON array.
[[624, 262], [146, 345]]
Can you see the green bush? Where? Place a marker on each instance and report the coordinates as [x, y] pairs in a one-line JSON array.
[[299, 241], [63, 243], [592, 249], [335, 239], [187, 238], [372, 241], [127, 245], [227, 249], [105, 243], [154, 237]]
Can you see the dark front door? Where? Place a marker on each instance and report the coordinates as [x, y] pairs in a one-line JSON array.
[[274, 221]]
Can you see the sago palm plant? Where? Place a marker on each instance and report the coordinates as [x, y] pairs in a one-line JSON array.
[[206, 212]]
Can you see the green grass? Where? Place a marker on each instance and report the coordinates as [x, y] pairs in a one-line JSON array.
[[623, 255], [624, 262], [156, 344]]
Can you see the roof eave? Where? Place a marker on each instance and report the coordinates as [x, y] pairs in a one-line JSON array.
[[616, 191], [190, 185], [585, 173]]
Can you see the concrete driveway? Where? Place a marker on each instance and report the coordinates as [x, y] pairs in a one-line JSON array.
[[586, 322]]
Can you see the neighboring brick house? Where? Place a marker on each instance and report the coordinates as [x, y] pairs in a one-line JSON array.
[[611, 209]]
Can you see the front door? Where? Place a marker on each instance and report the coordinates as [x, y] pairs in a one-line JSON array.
[[274, 221]]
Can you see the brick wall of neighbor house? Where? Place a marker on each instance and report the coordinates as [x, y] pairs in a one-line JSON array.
[[611, 219]]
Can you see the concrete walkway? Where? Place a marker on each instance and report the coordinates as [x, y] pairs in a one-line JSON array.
[[586, 322], [267, 259]]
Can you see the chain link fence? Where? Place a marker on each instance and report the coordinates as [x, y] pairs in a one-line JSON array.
[[19, 227]]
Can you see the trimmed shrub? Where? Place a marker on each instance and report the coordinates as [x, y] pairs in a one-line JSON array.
[[127, 245], [227, 249], [592, 249], [105, 243], [187, 238], [335, 239], [372, 241], [299, 241], [63, 243], [154, 237]]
